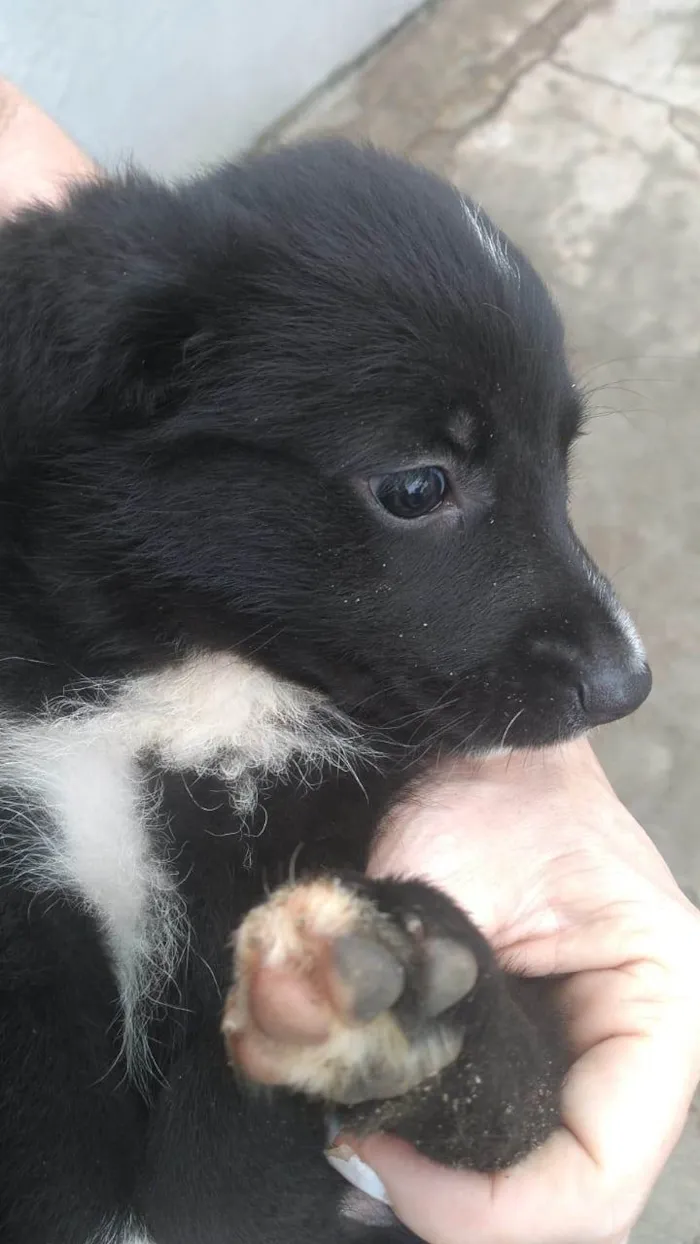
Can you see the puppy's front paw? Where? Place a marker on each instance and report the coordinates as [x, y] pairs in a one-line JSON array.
[[382, 999], [344, 987]]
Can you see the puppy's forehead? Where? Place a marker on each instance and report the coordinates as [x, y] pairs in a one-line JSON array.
[[407, 316], [376, 222]]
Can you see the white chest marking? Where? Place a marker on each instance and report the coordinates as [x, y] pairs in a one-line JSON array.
[[212, 713]]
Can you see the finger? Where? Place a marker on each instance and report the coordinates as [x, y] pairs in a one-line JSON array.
[[622, 1115], [552, 1198], [528, 1205], [626, 1102], [37, 160]]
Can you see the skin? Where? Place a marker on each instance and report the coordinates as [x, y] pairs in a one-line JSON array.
[[37, 160], [563, 881], [588, 897]]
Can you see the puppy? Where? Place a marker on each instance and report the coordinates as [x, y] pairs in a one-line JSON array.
[[283, 454]]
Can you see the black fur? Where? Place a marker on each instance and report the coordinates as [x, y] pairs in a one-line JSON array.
[[198, 386]]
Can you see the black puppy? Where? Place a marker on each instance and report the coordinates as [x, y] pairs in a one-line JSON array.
[[283, 459]]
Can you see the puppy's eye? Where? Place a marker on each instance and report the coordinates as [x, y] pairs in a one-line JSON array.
[[411, 494]]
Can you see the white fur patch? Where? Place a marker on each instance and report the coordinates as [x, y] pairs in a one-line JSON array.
[[492, 242], [213, 713], [116, 1233]]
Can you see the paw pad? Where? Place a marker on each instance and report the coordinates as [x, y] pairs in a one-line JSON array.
[[340, 999]]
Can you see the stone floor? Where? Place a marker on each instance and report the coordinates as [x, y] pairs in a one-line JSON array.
[[577, 124]]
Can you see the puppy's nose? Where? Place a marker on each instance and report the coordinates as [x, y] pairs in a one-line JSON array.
[[610, 689], [609, 683]]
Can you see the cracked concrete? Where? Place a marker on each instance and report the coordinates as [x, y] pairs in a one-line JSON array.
[[577, 125]]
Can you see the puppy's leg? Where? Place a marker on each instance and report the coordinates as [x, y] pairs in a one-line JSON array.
[[381, 998]]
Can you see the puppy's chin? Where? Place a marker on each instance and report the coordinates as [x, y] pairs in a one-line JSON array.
[[523, 730], [515, 741], [473, 716], [535, 724]]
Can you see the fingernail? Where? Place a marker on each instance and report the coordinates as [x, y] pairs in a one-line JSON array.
[[345, 1161], [356, 1172]]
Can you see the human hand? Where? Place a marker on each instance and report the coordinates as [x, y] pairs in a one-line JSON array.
[[37, 160], [562, 880]]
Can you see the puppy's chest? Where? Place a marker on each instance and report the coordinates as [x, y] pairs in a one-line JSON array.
[[222, 864], [147, 805]]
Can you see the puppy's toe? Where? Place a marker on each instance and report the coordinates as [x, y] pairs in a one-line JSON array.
[[288, 1005], [368, 978], [451, 972]]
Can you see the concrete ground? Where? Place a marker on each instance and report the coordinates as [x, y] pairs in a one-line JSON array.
[[577, 124]]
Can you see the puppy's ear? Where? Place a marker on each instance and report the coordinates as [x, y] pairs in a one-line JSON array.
[[154, 340], [175, 334], [180, 308], [106, 304], [129, 372]]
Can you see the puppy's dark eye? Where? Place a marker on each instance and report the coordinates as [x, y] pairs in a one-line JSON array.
[[411, 494]]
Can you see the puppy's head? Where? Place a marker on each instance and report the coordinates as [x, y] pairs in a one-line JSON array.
[[349, 457]]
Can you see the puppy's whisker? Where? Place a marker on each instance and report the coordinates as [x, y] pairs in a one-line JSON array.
[[511, 723], [449, 728], [25, 660], [428, 713], [292, 862], [630, 358]]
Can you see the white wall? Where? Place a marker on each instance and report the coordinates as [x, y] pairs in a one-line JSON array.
[[177, 83]]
